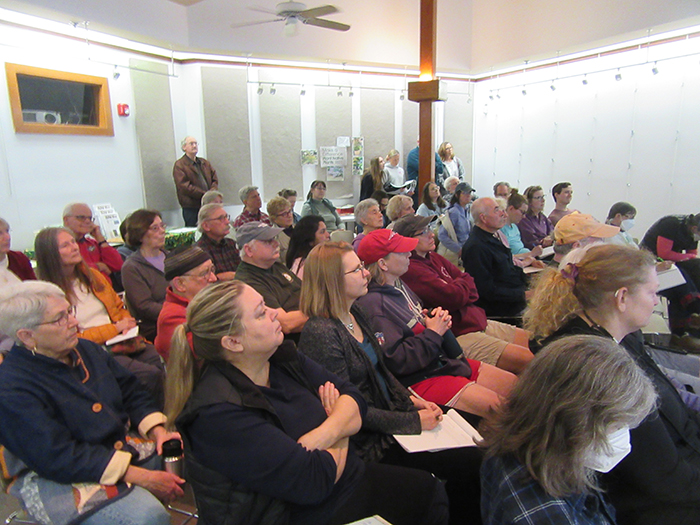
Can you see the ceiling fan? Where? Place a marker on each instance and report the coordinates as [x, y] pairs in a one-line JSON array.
[[291, 13]]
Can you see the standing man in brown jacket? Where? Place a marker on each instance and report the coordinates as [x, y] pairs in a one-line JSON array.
[[193, 176]]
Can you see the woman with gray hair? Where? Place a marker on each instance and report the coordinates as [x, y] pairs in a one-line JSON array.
[[66, 407], [14, 266], [567, 419], [368, 217]]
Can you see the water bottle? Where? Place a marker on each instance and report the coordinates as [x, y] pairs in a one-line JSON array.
[[173, 457]]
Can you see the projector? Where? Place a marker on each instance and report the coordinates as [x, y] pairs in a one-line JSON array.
[[41, 116]]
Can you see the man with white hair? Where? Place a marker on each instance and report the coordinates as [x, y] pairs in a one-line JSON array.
[[250, 197], [501, 284], [193, 177], [94, 248], [214, 224]]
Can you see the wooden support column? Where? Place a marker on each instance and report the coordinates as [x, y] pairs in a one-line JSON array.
[[426, 91]]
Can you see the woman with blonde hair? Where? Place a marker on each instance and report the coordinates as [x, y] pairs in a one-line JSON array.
[[611, 292], [568, 419], [339, 337], [394, 174], [454, 166], [399, 206], [266, 429], [417, 345]]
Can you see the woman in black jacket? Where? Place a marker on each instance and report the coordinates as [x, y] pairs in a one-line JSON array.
[[338, 336], [266, 429]]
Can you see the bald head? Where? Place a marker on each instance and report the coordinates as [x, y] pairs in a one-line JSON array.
[[488, 214]]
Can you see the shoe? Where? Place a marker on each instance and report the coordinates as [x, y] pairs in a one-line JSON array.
[[694, 321], [686, 342]]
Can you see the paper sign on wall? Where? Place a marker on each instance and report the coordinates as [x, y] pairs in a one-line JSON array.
[[333, 156]]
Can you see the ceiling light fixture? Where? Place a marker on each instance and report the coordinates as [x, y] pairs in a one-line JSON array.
[[552, 87], [618, 76], [340, 92], [584, 81], [655, 70], [273, 89]]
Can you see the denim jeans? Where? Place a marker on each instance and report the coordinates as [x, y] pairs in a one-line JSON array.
[[139, 507]]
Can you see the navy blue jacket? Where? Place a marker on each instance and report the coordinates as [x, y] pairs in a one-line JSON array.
[[63, 423]]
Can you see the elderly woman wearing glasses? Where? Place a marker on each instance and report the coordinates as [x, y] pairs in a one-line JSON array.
[[67, 407], [143, 273]]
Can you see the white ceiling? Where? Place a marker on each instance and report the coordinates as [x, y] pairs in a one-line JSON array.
[[474, 36]]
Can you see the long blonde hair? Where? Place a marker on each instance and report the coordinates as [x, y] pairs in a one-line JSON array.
[[558, 296], [214, 313], [323, 287]]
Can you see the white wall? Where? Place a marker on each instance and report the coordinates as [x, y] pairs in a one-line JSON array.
[[40, 174], [630, 140]]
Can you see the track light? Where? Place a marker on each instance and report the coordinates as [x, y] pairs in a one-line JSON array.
[[303, 91], [552, 87], [655, 70], [618, 76], [351, 94], [402, 96], [524, 92], [260, 89], [491, 97], [273, 90], [340, 92], [584, 81]]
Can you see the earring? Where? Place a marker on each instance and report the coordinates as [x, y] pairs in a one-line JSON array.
[[33, 351]]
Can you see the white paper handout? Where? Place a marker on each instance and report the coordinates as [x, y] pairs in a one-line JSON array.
[[452, 432], [670, 278], [123, 337]]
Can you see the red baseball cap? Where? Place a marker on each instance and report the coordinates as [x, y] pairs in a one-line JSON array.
[[378, 244]]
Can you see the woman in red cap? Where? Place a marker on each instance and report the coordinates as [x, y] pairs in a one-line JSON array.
[[418, 346]]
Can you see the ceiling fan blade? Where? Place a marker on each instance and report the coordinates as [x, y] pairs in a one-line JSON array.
[[326, 24], [246, 24], [315, 12], [263, 10]]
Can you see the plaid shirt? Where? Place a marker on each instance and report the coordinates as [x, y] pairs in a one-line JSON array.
[[509, 495], [223, 253], [247, 216]]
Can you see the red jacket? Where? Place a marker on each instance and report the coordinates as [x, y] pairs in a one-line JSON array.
[[171, 316], [438, 282], [19, 264]]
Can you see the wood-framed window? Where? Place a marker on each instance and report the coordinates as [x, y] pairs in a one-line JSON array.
[[56, 102]]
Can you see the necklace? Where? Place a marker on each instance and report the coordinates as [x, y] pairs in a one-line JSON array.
[[350, 326]]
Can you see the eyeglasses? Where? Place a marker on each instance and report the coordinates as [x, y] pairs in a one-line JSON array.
[[84, 218], [285, 213], [359, 269], [62, 320], [205, 273], [156, 227], [221, 218]]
